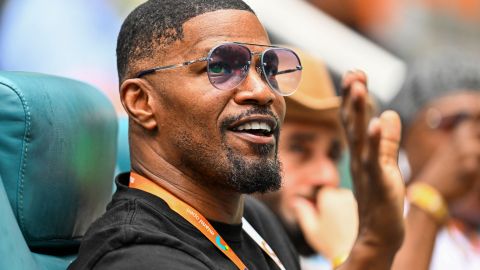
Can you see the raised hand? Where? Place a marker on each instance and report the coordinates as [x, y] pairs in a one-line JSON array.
[[330, 227], [462, 154], [378, 185]]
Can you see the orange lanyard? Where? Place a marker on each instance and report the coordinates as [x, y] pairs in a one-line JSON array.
[[200, 222]]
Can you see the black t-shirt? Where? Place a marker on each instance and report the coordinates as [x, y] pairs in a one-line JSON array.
[[140, 231]]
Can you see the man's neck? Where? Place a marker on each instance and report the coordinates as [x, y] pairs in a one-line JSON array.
[[213, 203]]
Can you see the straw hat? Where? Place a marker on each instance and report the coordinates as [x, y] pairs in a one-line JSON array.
[[315, 99]]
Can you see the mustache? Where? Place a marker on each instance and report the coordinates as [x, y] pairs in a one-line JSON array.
[[227, 122]]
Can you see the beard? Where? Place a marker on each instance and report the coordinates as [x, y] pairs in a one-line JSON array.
[[231, 170], [263, 174], [258, 176]]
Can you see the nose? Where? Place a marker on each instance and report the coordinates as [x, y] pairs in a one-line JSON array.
[[324, 172], [254, 90]]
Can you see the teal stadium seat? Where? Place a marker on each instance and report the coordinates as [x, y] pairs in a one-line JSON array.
[[58, 141], [123, 150]]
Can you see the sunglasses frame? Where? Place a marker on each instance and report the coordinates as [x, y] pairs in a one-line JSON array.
[[437, 121], [252, 54]]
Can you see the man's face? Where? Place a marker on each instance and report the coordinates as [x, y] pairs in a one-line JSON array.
[[422, 141], [309, 153], [198, 123]]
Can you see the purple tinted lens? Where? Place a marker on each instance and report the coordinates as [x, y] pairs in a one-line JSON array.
[[282, 70], [228, 65]]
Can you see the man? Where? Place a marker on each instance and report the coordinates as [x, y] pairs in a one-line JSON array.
[[311, 145], [205, 114], [440, 108]]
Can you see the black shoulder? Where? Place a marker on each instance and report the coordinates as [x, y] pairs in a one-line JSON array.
[[129, 223], [133, 247], [149, 257]]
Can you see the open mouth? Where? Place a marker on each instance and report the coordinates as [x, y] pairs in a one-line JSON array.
[[255, 125], [258, 128]]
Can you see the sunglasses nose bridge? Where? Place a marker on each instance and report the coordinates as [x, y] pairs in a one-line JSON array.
[[255, 64], [255, 80], [259, 70], [259, 63], [254, 90]]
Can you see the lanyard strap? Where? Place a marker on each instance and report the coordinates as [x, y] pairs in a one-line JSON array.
[[200, 222], [261, 242]]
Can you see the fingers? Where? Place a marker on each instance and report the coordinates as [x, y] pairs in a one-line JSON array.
[[390, 137], [328, 198], [338, 218], [374, 138], [349, 79], [354, 110], [374, 133], [331, 225], [382, 154], [307, 216], [352, 76], [336, 198], [360, 118]]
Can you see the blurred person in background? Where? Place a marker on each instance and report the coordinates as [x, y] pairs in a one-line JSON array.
[[440, 111], [318, 215]]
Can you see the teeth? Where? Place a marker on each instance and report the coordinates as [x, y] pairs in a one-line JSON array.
[[255, 125]]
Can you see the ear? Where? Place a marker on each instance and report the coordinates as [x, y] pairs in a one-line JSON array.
[[136, 96]]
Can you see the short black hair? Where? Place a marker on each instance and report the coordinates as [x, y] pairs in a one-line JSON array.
[[158, 23]]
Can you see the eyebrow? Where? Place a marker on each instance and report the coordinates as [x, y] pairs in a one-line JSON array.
[[201, 51], [303, 136], [204, 48]]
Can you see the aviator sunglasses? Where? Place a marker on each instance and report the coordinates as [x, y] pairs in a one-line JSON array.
[[228, 65]]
